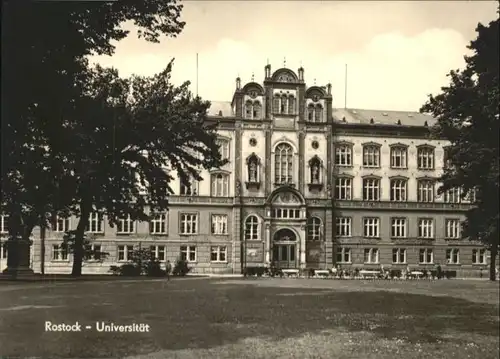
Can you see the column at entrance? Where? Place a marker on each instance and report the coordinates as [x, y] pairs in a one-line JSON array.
[[267, 244], [302, 247]]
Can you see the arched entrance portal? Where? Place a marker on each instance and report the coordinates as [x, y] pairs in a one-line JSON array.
[[285, 248]]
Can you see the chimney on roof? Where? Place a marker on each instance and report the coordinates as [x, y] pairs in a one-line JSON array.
[[220, 112], [267, 71], [301, 73], [343, 119], [425, 124], [371, 121], [238, 83], [329, 89], [399, 122]]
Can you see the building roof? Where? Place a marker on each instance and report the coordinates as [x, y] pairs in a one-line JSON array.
[[349, 116], [359, 116], [223, 106]]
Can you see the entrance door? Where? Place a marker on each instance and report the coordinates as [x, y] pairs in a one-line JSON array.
[[285, 249], [284, 255]]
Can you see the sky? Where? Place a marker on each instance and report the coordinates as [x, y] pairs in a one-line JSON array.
[[396, 52]]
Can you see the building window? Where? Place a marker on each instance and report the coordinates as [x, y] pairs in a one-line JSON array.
[[371, 156], [283, 163], [253, 169], [223, 148], [426, 256], [398, 227], [285, 213], [94, 252], [189, 223], [398, 255], [371, 189], [343, 255], [61, 224], [4, 225], [447, 158], [218, 254], [291, 105], [453, 256], [343, 155], [398, 157], [125, 226], [470, 196], [426, 228], [158, 253], [310, 113], [315, 170], [283, 104], [125, 253], [343, 226], [452, 195], [276, 104], [425, 158], [188, 253], [343, 188], [371, 255], [190, 188], [59, 253], [219, 224], [478, 256], [318, 113], [158, 224], [248, 109], [220, 185], [95, 224], [371, 227], [252, 229], [426, 191], [314, 229], [453, 228], [257, 110], [398, 190]]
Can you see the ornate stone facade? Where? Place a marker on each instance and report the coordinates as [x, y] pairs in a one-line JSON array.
[[307, 186]]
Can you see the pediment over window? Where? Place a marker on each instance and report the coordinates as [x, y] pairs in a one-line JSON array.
[[215, 171], [253, 158], [373, 144], [285, 75], [315, 93], [426, 145], [398, 144], [371, 175], [426, 178], [253, 89], [344, 175], [343, 143], [399, 178], [286, 198]]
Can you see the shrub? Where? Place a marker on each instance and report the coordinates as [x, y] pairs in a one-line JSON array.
[[130, 270], [181, 268], [153, 269]]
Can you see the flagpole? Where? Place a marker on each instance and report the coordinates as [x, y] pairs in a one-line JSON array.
[[196, 74], [345, 89]]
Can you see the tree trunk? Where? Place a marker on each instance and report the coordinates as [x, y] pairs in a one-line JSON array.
[[493, 257], [78, 250]]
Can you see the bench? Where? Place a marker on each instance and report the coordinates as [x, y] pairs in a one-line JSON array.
[[369, 273], [290, 272], [321, 273]]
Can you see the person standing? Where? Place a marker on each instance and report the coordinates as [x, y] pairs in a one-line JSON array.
[[168, 269]]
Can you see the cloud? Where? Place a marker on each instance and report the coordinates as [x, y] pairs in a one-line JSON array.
[[392, 71]]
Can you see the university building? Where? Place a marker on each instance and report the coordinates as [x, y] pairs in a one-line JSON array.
[[307, 185]]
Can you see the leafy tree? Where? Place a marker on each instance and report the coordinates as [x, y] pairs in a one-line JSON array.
[[126, 144], [468, 116], [45, 46]]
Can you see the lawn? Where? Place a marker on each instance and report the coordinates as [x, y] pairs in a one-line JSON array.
[[254, 318]]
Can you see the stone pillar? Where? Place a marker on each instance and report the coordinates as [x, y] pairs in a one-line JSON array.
[[20, 263], [267, 245], [303, 247]]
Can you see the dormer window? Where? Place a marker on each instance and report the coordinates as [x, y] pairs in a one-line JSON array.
[[318, 113]]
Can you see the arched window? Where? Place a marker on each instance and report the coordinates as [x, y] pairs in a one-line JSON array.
[[220, 185], [257, 110], [315, 170], [253, 169], [276, 104], [310, 113], [283, 163], [252, 228], [291, 105], [314, 229], [248, 109], [318, 114], [283, 105]]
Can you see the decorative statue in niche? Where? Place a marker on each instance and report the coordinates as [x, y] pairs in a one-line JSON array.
[[252, 169], [315, 173]]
